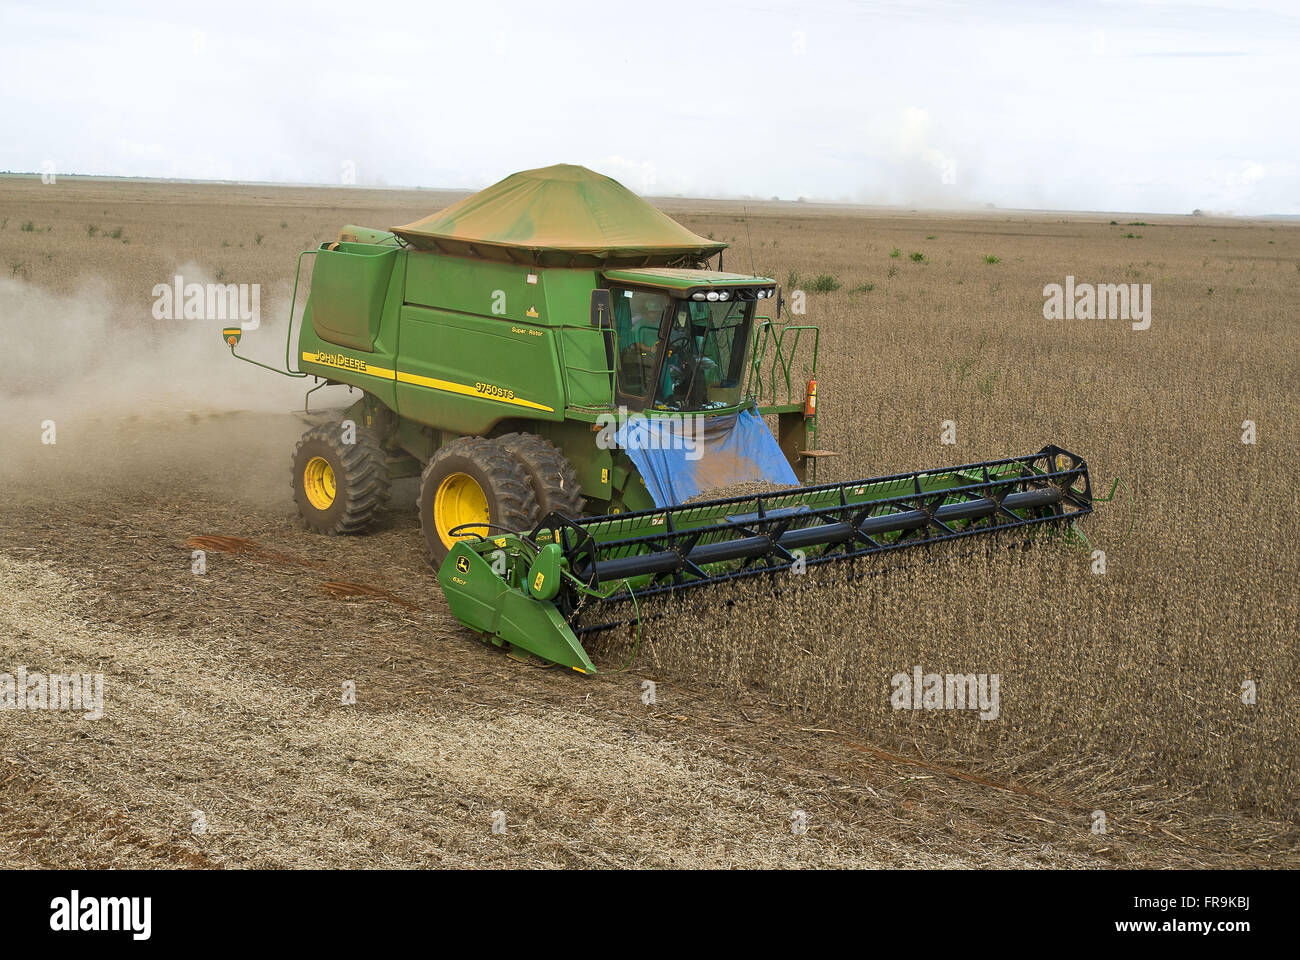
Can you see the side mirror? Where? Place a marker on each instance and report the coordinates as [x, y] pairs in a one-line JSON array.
[[602, 309], [780, 301], [602, 318]]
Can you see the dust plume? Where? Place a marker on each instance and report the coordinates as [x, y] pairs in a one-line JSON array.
[[90, 385]]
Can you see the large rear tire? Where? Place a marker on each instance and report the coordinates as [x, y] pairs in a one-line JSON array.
[[473, 480], [555, 484], [339, 487]]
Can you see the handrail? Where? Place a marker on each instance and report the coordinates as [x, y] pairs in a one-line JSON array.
[[769, 333], [609, 372], [288, 370]]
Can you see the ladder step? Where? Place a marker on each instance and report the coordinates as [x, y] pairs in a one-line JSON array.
[[819, 453]]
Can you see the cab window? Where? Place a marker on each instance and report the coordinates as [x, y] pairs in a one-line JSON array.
[[638, 317]]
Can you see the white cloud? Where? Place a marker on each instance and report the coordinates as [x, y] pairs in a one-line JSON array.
[[1095, 106]]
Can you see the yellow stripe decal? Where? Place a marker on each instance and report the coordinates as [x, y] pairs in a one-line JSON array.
[[467, 390], [343, 362]]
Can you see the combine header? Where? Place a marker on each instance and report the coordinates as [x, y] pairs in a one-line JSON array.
[[554, 361], [540, 592]]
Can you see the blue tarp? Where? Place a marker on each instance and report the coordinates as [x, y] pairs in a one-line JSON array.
[[682, 457]]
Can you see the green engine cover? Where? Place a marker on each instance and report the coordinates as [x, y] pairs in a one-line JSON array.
[[349, 287]]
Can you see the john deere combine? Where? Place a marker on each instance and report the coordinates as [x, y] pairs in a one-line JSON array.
[[552, 357]]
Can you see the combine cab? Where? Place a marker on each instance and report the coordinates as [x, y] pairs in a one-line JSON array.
[[554, 360]]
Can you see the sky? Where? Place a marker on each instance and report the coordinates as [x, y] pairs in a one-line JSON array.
[[1159, 106]]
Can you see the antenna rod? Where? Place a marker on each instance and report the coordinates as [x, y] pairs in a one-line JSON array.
[[749, 240]]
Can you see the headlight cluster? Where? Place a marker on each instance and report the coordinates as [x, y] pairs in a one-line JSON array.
[[761, 293]]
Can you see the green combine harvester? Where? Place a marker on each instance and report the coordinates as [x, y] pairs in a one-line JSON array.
[[554, 360]]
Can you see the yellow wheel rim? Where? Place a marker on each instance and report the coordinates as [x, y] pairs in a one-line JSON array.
[[318, 483], [459, 500]]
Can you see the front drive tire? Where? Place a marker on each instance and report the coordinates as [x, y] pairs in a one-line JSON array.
[[555, 484], [339, 487], [473, 480]]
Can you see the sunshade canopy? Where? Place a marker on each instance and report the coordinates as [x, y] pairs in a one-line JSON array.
[[564, 215]]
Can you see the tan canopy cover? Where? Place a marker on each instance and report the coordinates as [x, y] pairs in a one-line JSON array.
[[564, 215]]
